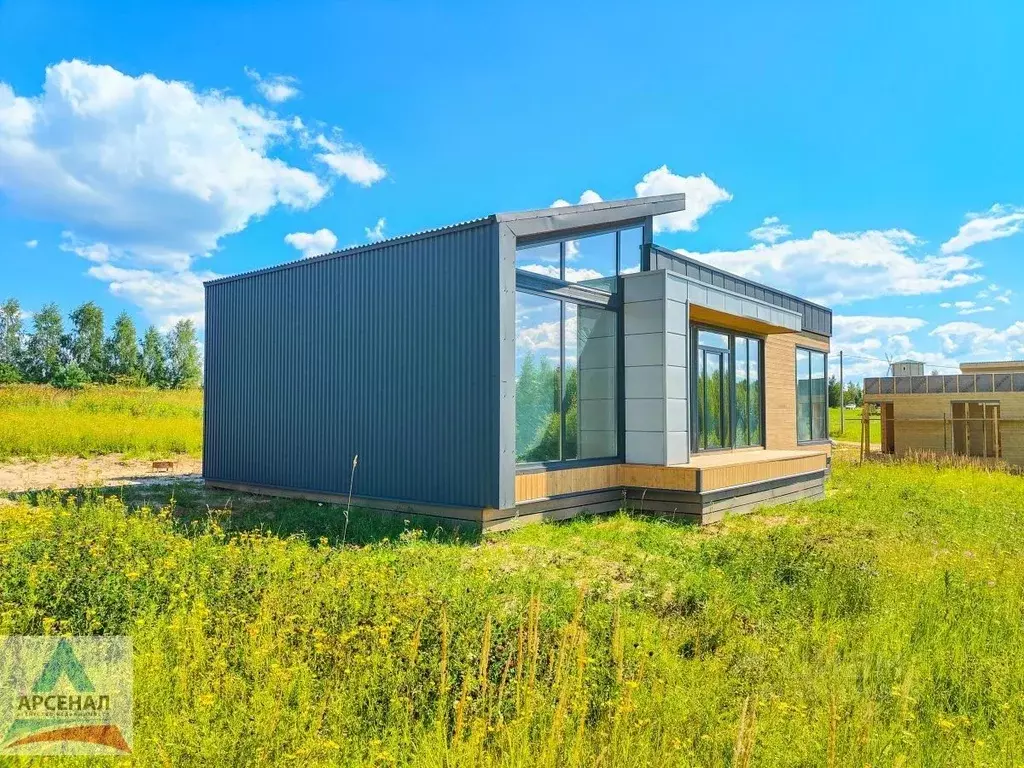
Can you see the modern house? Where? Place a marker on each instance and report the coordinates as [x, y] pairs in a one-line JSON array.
[[978, 412], [518, 367]]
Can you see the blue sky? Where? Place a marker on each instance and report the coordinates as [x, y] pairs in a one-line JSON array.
[[145, 148]]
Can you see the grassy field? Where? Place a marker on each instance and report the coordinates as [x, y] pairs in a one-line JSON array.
[[881, 626], [41, 421], [853, 426]]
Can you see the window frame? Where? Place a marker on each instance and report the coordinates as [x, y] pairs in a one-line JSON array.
[[564, 291], [796, 380], [580, 296], [731, 335], [577, 234]]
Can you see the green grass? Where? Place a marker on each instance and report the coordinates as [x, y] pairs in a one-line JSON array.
[[852, 432], [880, 626], [41, 421]]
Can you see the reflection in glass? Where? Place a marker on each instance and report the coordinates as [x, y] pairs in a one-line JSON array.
[[538, 378], [713, 410], [747, 391], [585, 399], [742, 392], [591, 261], [803, 395], [541, 260], [597, 349], [819, 396], [754, 390], [811, 396], [712, 339], [570, 397]]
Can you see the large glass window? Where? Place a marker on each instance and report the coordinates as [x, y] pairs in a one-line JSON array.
[[727, 391], [566, 380], [748, 391], [592, 260], [538, 377], [541, 260], [811, 395]]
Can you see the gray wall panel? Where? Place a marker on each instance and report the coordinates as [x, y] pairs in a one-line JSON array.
[[816, 319], [391, 354]]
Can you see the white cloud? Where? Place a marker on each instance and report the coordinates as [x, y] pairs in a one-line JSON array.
[[572, 247], [165, 298], [770, 231], [841, 267], [147, 175], [867, 340], [588, 196], [851, 326], [144, 164], [702, 194], [376, 233], [968, 307], [349, 161], [312, 243], [976, 340], [572, 274], [275, 88], [998, 222], [31, 243]]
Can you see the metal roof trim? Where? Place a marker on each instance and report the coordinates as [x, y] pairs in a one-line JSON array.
[[675, 254], [562, 218], [356, 249]]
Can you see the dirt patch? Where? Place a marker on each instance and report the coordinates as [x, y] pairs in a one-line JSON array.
[[74, 472]]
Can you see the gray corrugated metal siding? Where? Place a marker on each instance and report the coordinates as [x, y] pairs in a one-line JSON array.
[[391, 354]]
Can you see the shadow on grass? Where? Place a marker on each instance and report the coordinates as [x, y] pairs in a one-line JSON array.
[[234, 511]]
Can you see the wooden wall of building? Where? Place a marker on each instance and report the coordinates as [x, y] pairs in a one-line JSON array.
[[919, 426], [780, 386]]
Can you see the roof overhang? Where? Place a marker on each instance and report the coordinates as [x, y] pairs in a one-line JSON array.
[[566, 219]]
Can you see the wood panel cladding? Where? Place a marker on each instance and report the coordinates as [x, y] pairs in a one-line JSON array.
[[780, 386]]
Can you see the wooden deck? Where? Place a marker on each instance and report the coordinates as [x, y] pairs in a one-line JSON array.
[[703, 473]]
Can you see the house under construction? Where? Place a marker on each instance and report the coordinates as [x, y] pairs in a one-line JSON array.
[[978, 412]]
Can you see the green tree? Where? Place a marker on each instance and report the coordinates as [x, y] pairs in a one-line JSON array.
[[834, 390], [854, 394], [537, 414], [11, 358], [184, 370], [45, 352], [70, 376], [87, 341], [123, 350], [153, 364]]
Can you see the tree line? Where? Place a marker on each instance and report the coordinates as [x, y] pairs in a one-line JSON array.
[[49, 354], [853, 395]]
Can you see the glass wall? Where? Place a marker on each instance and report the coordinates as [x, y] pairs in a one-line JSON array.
[[566, 380], [727, 393], [538, 377], [811, 395], [748, 391], [567, 366], [593, 260]]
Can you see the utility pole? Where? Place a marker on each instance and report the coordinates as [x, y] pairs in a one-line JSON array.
[[842, 397]]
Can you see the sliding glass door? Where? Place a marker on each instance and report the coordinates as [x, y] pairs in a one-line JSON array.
[[726, 391], [712, 395]]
